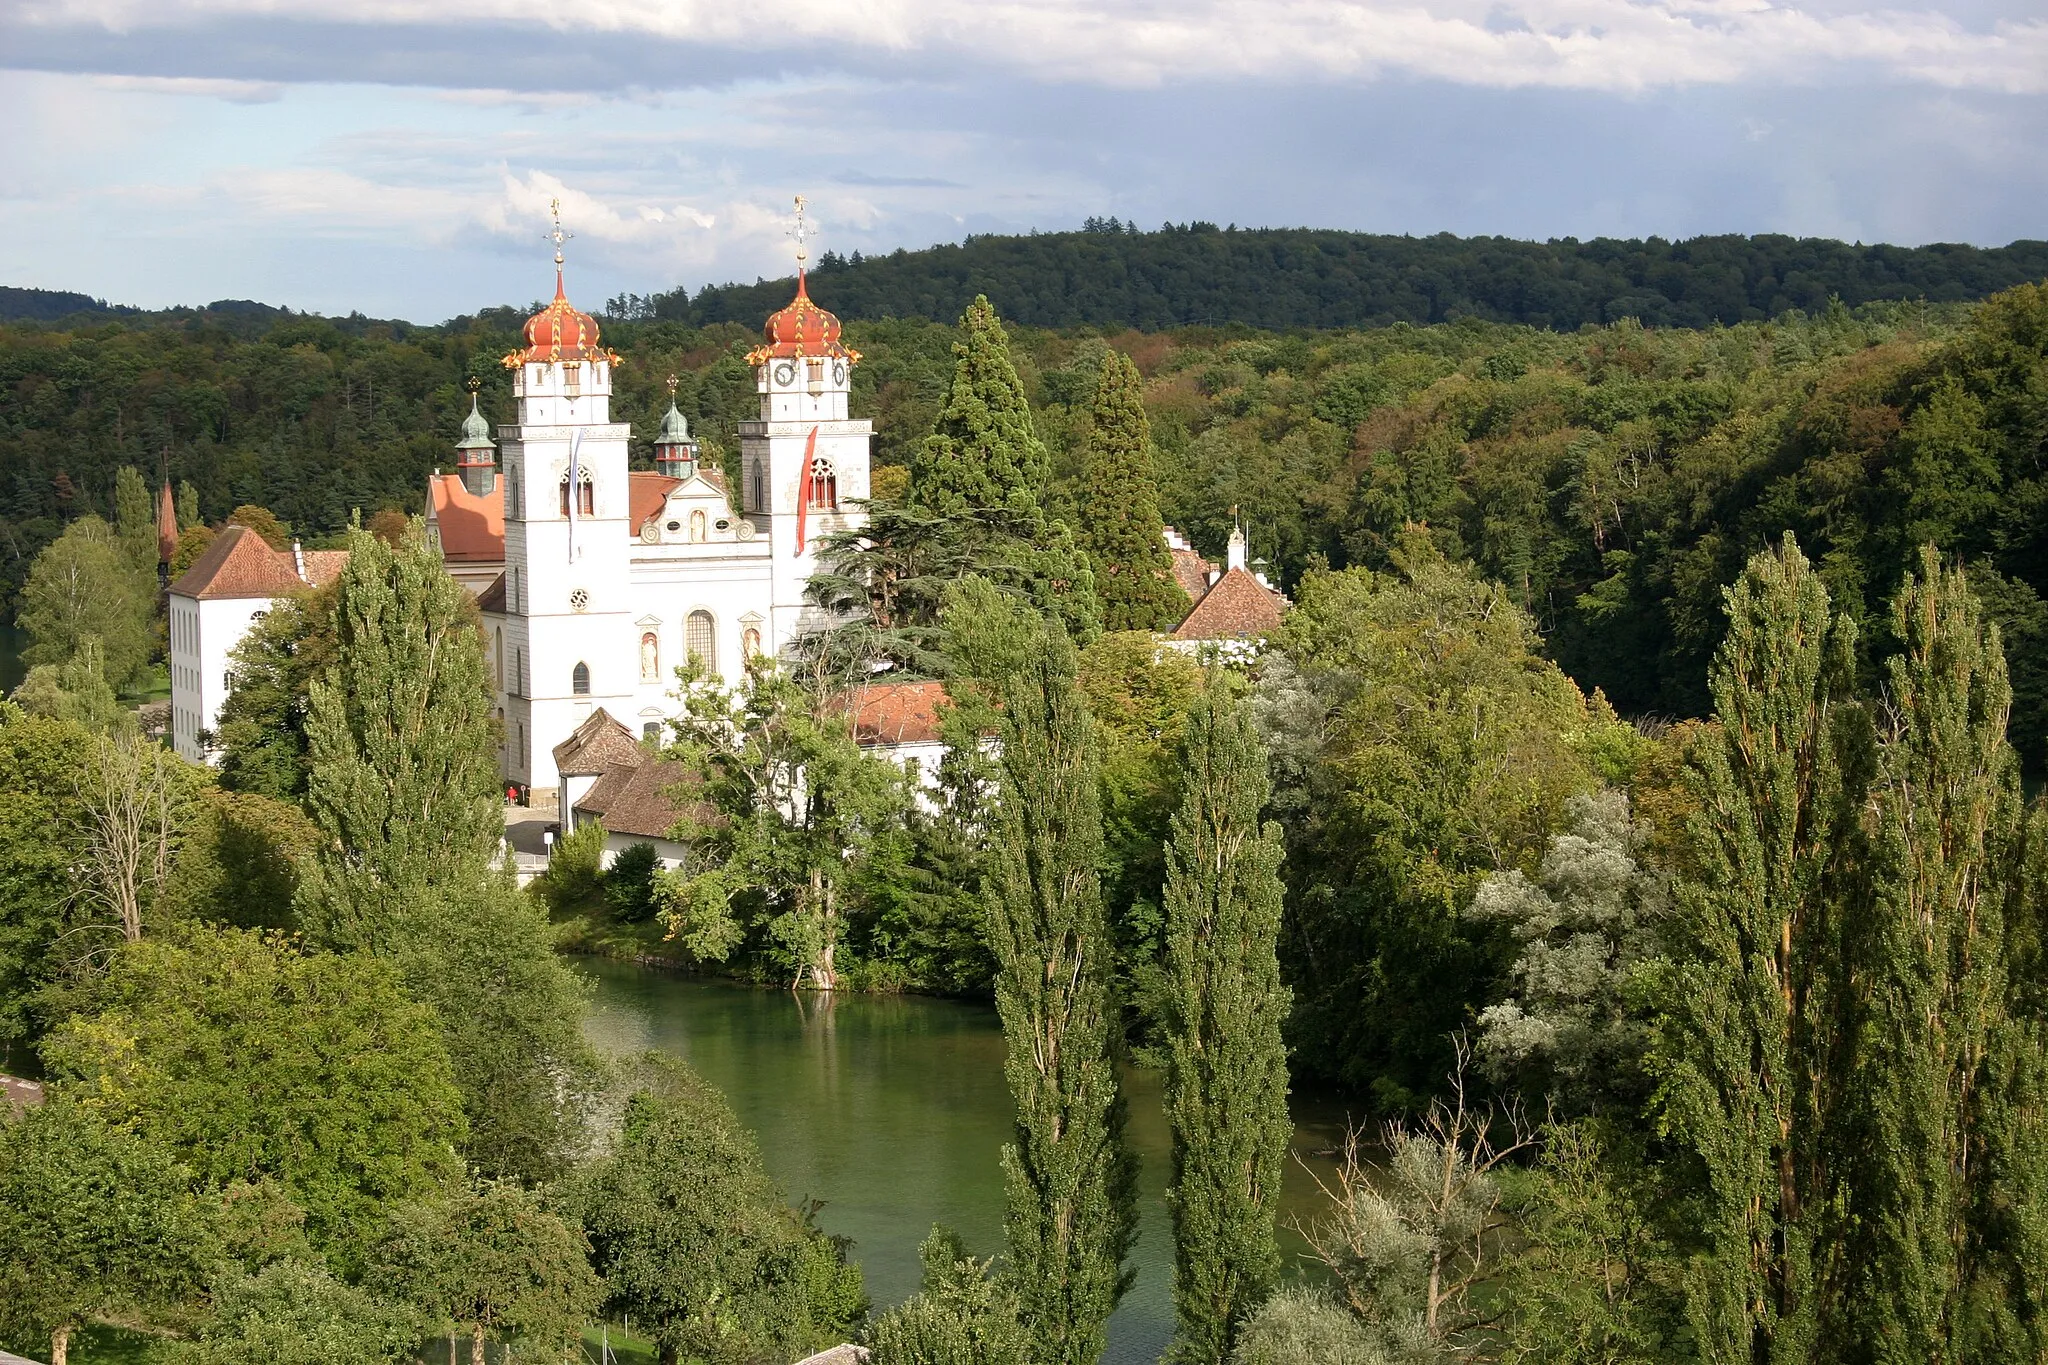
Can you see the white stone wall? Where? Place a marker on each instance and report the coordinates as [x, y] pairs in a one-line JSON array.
[[203, 634]]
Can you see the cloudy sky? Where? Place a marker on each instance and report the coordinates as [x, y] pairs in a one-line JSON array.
[[397, 156]]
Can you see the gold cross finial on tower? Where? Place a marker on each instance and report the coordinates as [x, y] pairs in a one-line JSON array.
[[557, 235], [801, 232], [672, 382], [474, 384]]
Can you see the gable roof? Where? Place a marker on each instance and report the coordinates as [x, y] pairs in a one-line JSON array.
[[895, 713], [1191, 571], [472, 528], [633, 798], [645, 495], [1238, 607], [240, 564], [597, 745]]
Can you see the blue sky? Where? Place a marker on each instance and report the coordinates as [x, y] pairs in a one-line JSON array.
[[397, 157]]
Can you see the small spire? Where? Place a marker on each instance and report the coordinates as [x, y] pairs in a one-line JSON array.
[[801, 232], [558, 235]]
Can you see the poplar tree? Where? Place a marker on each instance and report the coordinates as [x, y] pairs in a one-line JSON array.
[[1120, 523], [1946, 806], [402, 781], [1226, 1086], [135, 527], [1069, 1179], [401, 747], [1751, 1067], [984, 468]]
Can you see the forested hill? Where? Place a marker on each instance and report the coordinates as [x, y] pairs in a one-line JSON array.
[[1284, 278]]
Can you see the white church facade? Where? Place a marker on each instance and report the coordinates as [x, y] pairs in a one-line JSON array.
[[608, 578]]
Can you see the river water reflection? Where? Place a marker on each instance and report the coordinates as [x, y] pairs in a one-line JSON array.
[[893, 1110]]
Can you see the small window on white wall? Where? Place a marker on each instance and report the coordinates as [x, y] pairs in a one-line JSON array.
[[700, 637], [579, 680]]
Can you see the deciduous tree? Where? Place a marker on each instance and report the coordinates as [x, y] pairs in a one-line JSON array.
[[1068, 1176], [1226, 1080]]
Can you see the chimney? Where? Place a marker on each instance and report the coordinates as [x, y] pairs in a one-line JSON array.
[[1237, 547], [299, 561]]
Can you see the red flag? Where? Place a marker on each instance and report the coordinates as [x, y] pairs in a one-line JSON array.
[[803, 488]]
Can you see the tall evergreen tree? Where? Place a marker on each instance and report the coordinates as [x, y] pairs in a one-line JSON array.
[[401, 746], [135, 526], [983, 451], [1946, 810], [985, 465], [1069, 1178], [1752, 1065], [1226, 1087], [1120, 524]]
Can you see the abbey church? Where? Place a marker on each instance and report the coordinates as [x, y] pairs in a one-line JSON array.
[[596, 581]]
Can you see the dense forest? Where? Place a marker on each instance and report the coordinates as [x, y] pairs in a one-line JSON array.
[[1720, 1040], [1614, 478], [1113, 275]]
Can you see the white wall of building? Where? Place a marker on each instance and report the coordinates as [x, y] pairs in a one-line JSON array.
[[203, 636]]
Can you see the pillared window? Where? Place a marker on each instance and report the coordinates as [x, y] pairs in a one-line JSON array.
[[824, 492]]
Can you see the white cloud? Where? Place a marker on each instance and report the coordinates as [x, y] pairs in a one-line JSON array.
[[1612, 45], [234, 92]]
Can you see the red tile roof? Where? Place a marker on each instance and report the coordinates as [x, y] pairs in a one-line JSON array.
[[646, 493], [240, 564], [472, 528], [1238, 607], [1191, 571], [895, 713]]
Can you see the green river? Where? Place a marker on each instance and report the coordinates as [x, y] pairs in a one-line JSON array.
[[892, 1110]]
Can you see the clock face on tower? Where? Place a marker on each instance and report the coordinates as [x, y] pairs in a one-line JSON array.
[[785, 373], [838, 372]]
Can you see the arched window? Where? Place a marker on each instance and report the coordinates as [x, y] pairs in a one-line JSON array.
[[579, 680], [498, 657], [650, 658], [824, 485], [697, 526], [586, 496], [759, 502], [700, 637]]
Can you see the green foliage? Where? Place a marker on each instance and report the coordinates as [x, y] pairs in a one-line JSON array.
[[295, 1313], [82, 588], [574, 879], [135, 523], [629, 883], [791, 807], [1226, 1084], [1113, 275], [402, 747], [1594, 1281], [692, 1238], [247, 1059], [264, 523], [1300, 1326], [492, 1259], [511, 1015], [1423, 744], [75, 690], [1068, 1177], [984, 460], [40, 844], [239, 860], [963, 1314], [1119, 515], [1751, 1077], [261, 730], [94, 1219]]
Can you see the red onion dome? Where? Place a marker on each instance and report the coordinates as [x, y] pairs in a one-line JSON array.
[[802, 329], [559, 331]]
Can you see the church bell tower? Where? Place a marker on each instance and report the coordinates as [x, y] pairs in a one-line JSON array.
[[805, 461]]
